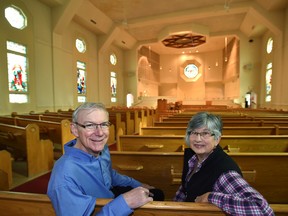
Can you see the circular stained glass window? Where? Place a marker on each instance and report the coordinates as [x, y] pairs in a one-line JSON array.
[[80, 45], [16, 17], [269, 46], [113, 59], [191, 71]]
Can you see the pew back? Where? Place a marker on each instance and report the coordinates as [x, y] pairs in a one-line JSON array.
[[19, 204], [226, 124], [5, 170], [164, 170], [26, 141], [270, 130], [57, 132], [240, 143]]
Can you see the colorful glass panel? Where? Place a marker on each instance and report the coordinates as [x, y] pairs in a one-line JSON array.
[[269, 46], [81, 77], [113, 84], [113, 59], [15, 17], [268, 82], [80, 45], [191, 71], [17, 67]]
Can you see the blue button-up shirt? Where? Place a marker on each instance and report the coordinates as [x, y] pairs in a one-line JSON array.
[[79, 178]]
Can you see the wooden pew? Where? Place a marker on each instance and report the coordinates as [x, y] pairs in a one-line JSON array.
[[267, 172], [62, 136], [239, 143], [131, 118], [270, 130], [123, 117], [26, 141], [18, 204], [63, 115], [57, 132], [186, 119], [42, 117], [5, 170], [229, 117], [226, 123]]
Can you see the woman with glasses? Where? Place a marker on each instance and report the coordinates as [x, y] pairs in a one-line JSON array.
[[211, 176], [84, 173]]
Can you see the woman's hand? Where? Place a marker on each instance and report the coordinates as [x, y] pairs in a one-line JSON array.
[[203, 198]]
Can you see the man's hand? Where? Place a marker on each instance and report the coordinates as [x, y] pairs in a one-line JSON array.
[[137, 197], [147, 186]]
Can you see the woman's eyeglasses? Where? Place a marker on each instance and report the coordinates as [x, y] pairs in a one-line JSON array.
[[203, 135]]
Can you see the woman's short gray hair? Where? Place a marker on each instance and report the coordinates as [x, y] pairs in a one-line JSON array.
[[88, 106], [204, 119]]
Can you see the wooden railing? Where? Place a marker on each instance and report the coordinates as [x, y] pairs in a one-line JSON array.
[[18, 204]]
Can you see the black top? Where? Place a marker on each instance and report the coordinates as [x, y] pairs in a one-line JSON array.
[[203, 181]]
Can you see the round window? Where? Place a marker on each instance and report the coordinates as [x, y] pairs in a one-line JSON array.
[[80, 45], [113, 59], [191, 71]]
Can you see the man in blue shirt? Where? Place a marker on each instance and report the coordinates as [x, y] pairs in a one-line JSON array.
[[84, 173]]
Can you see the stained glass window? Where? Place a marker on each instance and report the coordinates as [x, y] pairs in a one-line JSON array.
[[113, 84], [17, 72], [113, 59], [81, 80], [191, 71], [269, 46], [268, 82], [80, 45], [15, 17]]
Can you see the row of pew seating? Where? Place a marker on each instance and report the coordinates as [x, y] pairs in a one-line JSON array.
[[262, 157]]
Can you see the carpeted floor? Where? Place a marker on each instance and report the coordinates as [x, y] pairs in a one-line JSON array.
[[37, 185]]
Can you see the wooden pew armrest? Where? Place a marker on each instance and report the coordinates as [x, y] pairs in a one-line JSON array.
[[154, 146], [130, 167]]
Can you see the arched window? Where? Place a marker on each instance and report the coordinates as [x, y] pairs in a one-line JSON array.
[[113, 84], [268, 82], [81, 81], [17, 59], [17, 72], [269, 46]]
